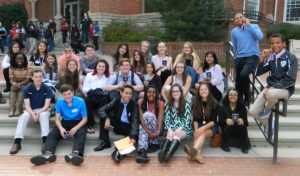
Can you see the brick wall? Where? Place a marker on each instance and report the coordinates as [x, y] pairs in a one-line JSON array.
[[44, 10], [117, 6], [280, 10]]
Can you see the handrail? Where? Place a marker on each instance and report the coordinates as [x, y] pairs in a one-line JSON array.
[[255, 90], [252, 15]]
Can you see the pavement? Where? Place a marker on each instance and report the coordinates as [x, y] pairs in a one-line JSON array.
[[217, 162]]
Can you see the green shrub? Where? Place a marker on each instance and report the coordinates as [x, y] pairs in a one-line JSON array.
[[124, 32], [290, 31], [13, 12]]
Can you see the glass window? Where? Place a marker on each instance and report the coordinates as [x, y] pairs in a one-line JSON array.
[[253, 5], [292, 10], [253, 9]]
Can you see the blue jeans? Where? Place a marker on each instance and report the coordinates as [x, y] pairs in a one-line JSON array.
[[85, 36], [50, 42], [244, 66]]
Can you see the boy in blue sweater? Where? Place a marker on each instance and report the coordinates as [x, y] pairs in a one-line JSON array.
[[245, 37]]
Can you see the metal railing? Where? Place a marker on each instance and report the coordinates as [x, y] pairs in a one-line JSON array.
[[256, 86], [252, 15]]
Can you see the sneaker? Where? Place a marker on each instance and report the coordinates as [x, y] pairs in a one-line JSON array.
[[74, 158], [265, 113], [42, 159]]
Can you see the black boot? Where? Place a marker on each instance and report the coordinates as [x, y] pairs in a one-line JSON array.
[[163, 151], [142, 157], [174, 146]]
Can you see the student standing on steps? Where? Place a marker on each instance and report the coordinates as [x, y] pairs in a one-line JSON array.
[[71, 119], [37, 98], [245, 37]]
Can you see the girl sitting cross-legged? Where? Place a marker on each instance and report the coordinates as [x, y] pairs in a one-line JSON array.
[[178, 122], [151, 111]]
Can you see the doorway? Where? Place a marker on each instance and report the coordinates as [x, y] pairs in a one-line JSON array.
[[71, 11]]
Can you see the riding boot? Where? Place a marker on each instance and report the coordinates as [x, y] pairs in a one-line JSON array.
[[163, 151], [12, 103], [174, 146]]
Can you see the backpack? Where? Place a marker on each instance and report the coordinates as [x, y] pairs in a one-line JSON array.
[[132, 79]]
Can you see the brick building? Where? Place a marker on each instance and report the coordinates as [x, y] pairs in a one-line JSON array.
[[277, 10], [42, 10]]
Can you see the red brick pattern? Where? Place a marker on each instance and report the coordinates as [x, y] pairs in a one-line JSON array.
[[120, 6], [179, 166]]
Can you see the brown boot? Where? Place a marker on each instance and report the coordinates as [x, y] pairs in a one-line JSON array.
[[12, 101], [12, 111], [19, 104], [15, 148], [18, 111]]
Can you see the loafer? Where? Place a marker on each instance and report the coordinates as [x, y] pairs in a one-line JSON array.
[[103, 145], [15, 148], [153, 148], [42, 159], [225, 148], [244, 150], [74, 158], [116, 156]]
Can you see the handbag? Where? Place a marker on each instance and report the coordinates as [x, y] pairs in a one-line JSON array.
[[216, 141]]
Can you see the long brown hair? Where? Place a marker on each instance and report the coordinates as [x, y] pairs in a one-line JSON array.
[[181, 100], [47, 66], [72, 78], [198, 104], [184, 74]]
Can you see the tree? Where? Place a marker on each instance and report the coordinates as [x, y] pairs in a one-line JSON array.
[[193, 20], [12, 12]]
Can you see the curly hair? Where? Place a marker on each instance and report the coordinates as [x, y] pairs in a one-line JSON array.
[[13, 62], [145, 99]]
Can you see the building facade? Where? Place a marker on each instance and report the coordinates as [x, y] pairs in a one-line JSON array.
[[42, 10], [277, 10]]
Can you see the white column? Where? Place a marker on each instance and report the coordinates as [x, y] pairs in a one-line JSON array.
[[33, 18], [58, 10]]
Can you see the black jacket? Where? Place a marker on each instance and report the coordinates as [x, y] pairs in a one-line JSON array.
[[226, 113], [114, 110], [283, 71]]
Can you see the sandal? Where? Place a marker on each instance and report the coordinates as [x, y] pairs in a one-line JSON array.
[[90, 130]]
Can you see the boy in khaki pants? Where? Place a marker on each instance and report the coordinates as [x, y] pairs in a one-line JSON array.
[[281, 82]]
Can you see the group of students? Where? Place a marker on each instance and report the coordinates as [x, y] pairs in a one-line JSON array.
[[146, 96], [134, 102]]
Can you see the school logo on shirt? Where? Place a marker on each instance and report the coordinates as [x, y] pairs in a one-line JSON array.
[[74, 110], [283, 63]]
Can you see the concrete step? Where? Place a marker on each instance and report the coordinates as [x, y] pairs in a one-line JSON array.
[[294, 100], [285, 124], [65, 146], [285, 139]]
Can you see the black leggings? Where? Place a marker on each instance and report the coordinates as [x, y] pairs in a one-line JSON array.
[[6, 77]]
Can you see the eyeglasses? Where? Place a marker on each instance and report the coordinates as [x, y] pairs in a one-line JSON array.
[[179, 66], [174, 91], [232, 95]]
